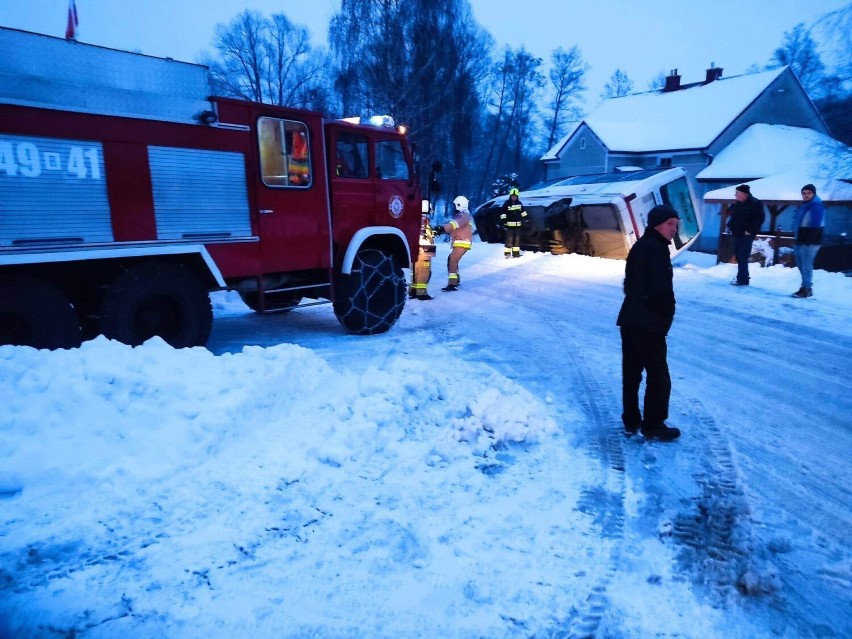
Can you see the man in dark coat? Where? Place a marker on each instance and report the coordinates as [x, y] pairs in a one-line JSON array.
[[744, 224], [645, 318]]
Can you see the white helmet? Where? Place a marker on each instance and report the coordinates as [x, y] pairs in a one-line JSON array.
[[461, 203]]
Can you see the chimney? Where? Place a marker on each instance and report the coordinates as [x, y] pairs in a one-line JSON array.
[[713, 73], [672, 81]]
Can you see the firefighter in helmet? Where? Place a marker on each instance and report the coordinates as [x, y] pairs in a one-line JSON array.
[[512, 219], [461, 232], [423, 266]]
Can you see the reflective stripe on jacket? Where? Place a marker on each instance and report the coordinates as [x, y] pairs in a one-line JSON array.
[[513, 214], [460, 229]]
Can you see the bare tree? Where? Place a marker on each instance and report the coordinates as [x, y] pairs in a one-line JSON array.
[[288, 69], [238, 71], [526, 88], [566, 78], [835, 159], [800, 54], [617, 86], [346, 33], [837, 27], [516, 83], [422, 61], [265, 60], [835, 103], [499, 101]]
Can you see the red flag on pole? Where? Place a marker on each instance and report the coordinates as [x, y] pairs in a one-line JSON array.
[[71, 26]]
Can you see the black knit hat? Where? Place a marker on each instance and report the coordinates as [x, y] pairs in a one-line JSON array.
[[744, 188], [809, 187], [660, 214]]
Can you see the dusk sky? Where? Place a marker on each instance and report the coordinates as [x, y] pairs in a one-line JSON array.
[[641, 37]]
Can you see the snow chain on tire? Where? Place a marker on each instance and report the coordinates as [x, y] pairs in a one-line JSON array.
[[370, 299]]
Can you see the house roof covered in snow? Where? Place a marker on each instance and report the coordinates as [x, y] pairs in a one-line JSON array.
[[689, 118], [686, 119], [768, 149]]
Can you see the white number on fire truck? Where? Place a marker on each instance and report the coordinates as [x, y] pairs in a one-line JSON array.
[[25, 159]]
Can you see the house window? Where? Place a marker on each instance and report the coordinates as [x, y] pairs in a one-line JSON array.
[[666, 161], [582, 143]]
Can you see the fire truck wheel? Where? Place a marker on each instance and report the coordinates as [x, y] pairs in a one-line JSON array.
[[34, 313], [370, 299], [160, 299]]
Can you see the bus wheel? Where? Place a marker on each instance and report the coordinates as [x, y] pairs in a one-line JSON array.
[[371, 298], [34, 313], [159, 299]]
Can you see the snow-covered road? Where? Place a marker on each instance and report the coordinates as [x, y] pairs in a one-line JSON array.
[[756, 494], [463, 475]]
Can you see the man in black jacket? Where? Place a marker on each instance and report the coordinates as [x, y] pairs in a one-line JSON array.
[[744, 224], [645, 318]]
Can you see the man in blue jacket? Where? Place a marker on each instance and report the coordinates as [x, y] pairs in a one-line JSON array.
[[645, 318], [808, 222], [747, 217]]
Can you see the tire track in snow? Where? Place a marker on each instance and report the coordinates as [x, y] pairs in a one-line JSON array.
[[594, 393], [715, 532], [607, 504], [722, 546], [716, 537]]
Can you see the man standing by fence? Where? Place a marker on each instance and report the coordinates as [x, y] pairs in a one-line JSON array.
[[747, 217], [808, 222]]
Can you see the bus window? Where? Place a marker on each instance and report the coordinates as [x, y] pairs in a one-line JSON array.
[[676, 195]]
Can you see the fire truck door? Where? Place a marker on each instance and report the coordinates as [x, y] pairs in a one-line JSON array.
[[394, 187], [351, 186], [292, 203]]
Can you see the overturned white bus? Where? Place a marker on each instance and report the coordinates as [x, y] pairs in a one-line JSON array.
[[599, 215]]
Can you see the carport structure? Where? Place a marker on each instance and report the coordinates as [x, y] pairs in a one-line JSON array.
[[777, 192]]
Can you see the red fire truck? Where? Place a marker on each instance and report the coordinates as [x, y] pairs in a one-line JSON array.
[[127, 195]]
